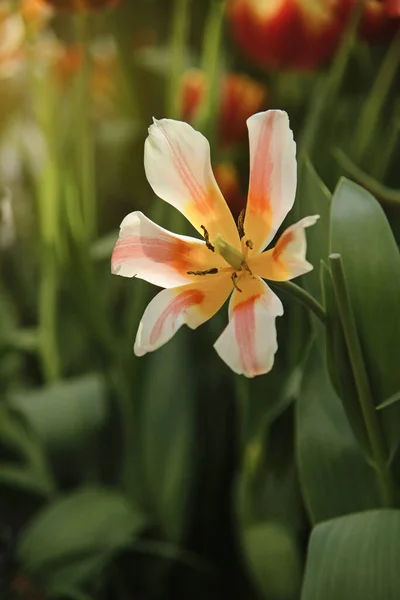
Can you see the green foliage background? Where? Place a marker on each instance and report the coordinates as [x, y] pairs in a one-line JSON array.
[[168, 476]]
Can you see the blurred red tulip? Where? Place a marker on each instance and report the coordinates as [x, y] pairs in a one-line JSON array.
[[81, 5], [240, 97], [289, 34], [393, 8], [228, 181], [380, 20]]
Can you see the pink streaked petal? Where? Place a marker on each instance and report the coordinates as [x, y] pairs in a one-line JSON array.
[[191, 304], [287, 259], [273, 176], [148, 251], [178, 168], [248, 344]]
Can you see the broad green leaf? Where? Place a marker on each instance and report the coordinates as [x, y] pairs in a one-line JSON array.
[[34, 473], [273, 559], [65, 415], [22, 478], [362, 235], [166, 433], [355, 557], [334, 475], [314, 198], [268, 487], [338, 361], [73, 538]]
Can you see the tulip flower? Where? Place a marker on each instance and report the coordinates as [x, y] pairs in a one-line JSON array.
[[200, 274], [289, 34], [380, 20], [240, 97]]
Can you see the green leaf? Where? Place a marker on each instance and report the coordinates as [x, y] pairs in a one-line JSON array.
[[334, 475], [67, 415], [273, 559], [167, 431], [362, 235], [33, 474], [392, 400], [355, 557], [73, 538], [338, 362], [384, 194], [25, 479], [314, 198]]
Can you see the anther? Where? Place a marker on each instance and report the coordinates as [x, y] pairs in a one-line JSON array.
[[240, 224], [207, 239], [205, 272], [235, 285], [249, 244]]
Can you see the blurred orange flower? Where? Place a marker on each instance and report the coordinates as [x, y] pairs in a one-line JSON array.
[[240, 97], [35, 14], [289, 34], [67, 62], [81, 5]]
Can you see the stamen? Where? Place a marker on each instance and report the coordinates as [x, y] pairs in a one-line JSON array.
[[207, 239], [246, 267], [249, 244], [235, 285], [240, 224], [205, 272]]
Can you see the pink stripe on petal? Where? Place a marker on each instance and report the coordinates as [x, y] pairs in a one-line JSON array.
[[196, 191], [245, 328], [262, 167], [180, 303]]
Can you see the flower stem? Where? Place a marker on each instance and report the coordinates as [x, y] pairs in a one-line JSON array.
[[302, 296], [374, 105], [48, 316], [85, 142], [375, 435], [178, 51], [210, 65]]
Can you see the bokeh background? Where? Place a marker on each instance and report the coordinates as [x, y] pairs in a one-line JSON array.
[[168, 476]]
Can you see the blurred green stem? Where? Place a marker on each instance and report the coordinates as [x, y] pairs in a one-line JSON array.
[[210, 65], [47, 314], [371, 419], [373, 106], [51, 240], [178, 50], [302, 296], [85, 144], [326, 93]]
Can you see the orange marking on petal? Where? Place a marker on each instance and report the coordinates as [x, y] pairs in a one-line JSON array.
[[245, 329], [180, 303], [162, 249], [262, 167], [286, 238]]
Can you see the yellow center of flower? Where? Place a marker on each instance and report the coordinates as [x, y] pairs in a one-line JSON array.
[[232, 256]]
